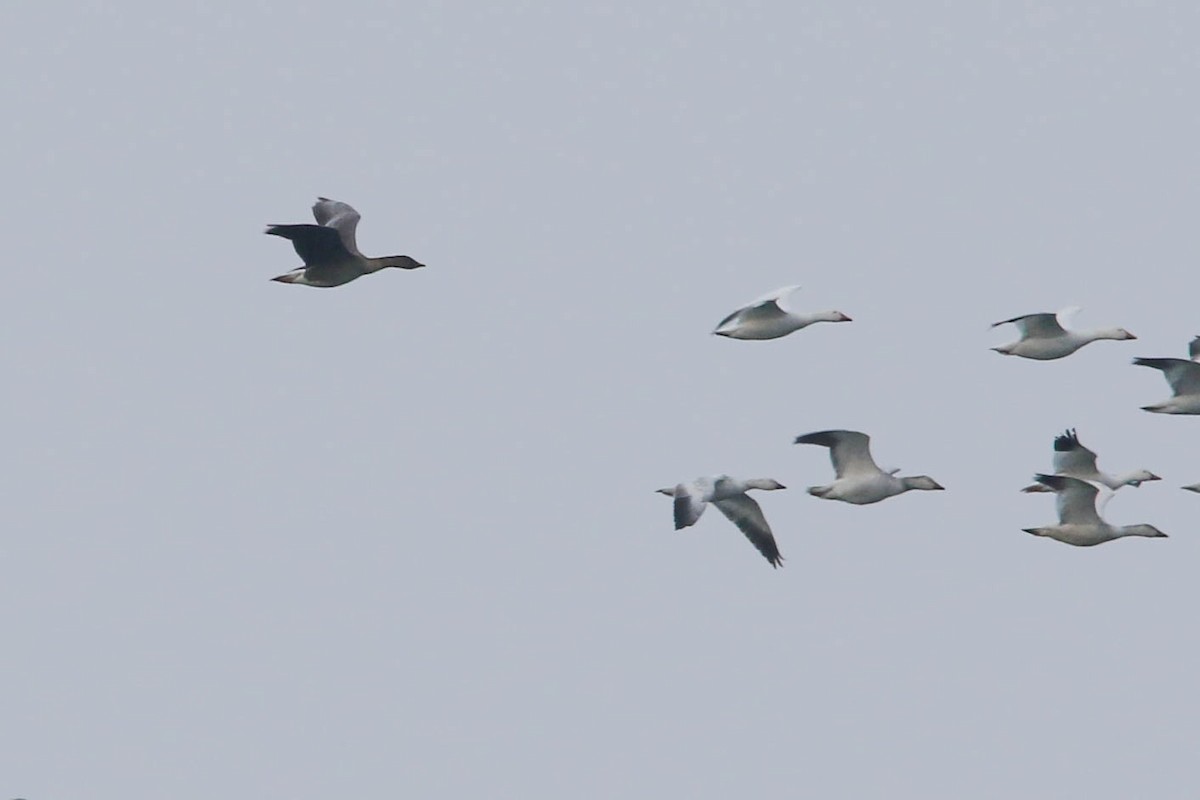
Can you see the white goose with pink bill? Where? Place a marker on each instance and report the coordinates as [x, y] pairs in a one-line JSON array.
[[1073, 459], [1045, 337], [1079, 520], [769, 317], [730, 497], [859, 479]]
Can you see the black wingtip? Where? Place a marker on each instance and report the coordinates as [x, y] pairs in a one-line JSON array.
[[1066, 441], [1053, 481]]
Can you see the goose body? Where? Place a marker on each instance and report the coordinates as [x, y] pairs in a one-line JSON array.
[[1079, 520], [730, 497], [1183, 375], [1045, 337], [768, 317], [859, 480], [1074, 459], [328, 249]]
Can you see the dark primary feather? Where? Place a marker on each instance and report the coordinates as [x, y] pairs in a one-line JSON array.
[[1014, 319], [1158, 363], [1035, 326], [1055, 482], [683, 516], [688, 507], [822, 438], [1067, 441]]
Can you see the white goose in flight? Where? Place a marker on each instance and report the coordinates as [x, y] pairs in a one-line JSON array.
[[1073, 459], [1183, 375], [1044, 337], [768, 317], [1079, 521], [859, 479], [729, 496], [328, 249]]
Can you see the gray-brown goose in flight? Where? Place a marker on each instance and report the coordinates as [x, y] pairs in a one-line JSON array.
[[328, 249]]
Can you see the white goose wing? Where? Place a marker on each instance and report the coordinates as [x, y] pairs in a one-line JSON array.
[[744, 512], [1076, 499], [777, 297], [1182, 375], [850, 451], [761, 309], [1071, 457], [1042, 326], [340, 216]]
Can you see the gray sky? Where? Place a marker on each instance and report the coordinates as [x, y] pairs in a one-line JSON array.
[[400, 538]]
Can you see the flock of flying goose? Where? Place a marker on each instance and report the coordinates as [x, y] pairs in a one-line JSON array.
[[331, 258]]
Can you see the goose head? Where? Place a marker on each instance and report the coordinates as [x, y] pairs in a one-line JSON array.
[[1143, 530], [923, 482], [1141, 476], [764, 483]]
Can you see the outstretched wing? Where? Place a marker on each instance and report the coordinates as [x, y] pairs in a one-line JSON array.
[[1182, 375], [744, 512], [761, 309], [1035, 326], [316, 245], [850, 451]]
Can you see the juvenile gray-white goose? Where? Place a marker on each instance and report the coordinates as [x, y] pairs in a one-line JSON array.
[[1044, 337], [328, 249], [1073, 459], [1183, 375], [768, 317], [859, 480], [1079, 521], [730, 497]]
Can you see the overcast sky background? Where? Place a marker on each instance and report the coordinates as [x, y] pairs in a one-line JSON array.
[[399, 538]]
